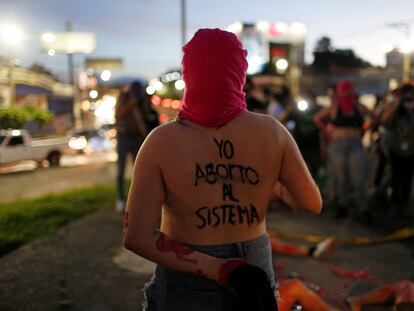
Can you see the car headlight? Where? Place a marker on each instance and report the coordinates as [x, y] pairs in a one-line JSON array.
[[78, 143]]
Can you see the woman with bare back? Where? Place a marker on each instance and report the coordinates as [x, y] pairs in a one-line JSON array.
[[209, 176]]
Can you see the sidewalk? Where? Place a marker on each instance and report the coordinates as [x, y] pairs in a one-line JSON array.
[[81, 267], [71, 270]]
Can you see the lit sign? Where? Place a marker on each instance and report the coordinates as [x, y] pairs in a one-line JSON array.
[[69, 42]]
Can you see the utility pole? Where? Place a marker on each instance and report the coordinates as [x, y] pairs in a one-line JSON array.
[[70, 55], [183, 23], [12, 88], [77, 116]]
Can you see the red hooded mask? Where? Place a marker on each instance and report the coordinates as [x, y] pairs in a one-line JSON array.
[[214, 70], [346, 96]]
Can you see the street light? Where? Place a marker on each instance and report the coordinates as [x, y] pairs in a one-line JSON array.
[[106, 75], [11, 35]]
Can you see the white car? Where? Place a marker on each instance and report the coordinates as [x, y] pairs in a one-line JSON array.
[[17, 145]]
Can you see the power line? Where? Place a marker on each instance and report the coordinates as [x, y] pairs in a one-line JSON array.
[[361, 32], [394, 24]]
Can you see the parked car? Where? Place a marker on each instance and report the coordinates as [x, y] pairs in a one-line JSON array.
[[18, 145]]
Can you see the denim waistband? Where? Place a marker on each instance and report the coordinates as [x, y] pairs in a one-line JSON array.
[[256, 251]]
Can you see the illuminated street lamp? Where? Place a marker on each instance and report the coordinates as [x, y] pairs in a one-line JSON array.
[[11, 35], [106, 75], [93, 94]]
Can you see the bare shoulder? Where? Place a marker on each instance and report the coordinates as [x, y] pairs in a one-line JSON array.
[[267, 123], [158, 139], [264, 119], [162, 132]]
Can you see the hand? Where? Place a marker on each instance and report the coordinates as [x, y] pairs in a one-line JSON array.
[[252, 289], [226, 268]]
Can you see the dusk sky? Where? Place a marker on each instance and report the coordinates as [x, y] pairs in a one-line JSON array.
[[146, 33]]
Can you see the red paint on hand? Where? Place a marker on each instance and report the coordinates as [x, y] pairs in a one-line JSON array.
[[228, 267], [167, 245], [356, 274], [126, 216]]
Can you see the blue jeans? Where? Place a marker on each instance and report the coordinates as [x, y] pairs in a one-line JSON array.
[[170, 290], [125, 145], [349, 168]]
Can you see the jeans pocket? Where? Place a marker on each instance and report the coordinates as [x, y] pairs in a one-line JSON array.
[[182, 299]]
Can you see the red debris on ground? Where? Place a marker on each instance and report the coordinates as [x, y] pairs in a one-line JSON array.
[[279, 265], [355, 274]]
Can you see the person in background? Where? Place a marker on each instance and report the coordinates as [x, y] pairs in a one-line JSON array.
[[296, 292], [131, 131], [305, 132], [398, 118], [254, 103], [282, 104], [399, 295], [346, 152]]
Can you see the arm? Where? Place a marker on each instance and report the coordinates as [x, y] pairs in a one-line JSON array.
[[297, 180], [285, 114], [387, 113], [141, 235], [320, 117], [139, 118], [366, 112], [377, 296], [295, 290], [280, 192]]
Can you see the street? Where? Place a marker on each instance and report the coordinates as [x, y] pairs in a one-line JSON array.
[[24, 180]]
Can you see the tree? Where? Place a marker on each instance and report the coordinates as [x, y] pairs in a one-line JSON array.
[[324, 44], [12, 117], [326, 57], [17, 117]]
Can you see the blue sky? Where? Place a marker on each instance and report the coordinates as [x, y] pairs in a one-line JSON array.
[[146, 33]]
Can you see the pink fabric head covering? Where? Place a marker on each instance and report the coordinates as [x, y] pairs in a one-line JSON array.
[[214, 70], [346, 96]]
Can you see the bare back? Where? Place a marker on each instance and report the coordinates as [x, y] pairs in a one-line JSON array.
[[218, 181]]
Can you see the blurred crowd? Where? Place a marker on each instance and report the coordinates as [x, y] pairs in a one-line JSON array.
[[362, 157]]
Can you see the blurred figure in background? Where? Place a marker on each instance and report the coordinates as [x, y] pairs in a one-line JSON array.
[[131, 131], [330, 192], [398, 119], [150, 114], [305, 131], [281, 104], [254, 102], [399, 295], [382, 179], [346, 152]]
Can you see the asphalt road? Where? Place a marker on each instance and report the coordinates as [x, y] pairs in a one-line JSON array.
[[25, 180]]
